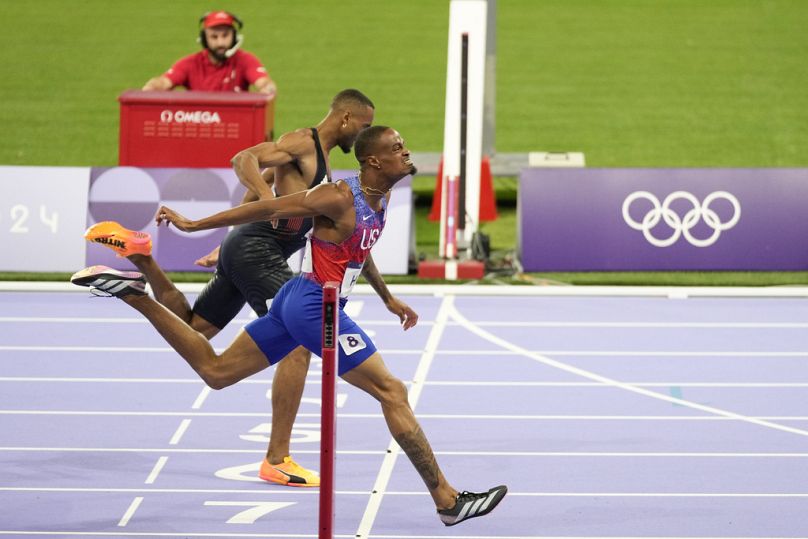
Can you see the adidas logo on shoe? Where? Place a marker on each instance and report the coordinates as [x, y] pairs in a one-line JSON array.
[[104, 281], [472, 504]]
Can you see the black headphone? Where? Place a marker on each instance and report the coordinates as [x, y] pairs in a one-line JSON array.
[[237, 26]]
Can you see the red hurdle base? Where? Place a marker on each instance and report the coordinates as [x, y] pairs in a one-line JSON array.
[[451, 269], [488, 199]]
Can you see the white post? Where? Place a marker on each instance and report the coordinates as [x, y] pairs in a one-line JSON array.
[[465, 17]]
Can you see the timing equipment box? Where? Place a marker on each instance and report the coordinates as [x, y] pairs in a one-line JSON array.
[[190, 129]]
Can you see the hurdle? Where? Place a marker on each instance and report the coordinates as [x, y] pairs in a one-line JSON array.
[[328, 416]]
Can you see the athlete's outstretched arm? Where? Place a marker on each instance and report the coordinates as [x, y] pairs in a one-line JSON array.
[[247, 164], [332, 200], [371, 274], [212, 258]]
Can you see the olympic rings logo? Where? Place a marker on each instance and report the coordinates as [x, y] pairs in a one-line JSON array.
[[681, 226]]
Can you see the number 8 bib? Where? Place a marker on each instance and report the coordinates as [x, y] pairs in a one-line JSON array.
[[352, 343]]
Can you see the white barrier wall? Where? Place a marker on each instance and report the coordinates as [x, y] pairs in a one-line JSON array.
[[43, 214]]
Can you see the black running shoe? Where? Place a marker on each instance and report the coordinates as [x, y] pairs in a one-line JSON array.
[[472, 504], [104, 281]]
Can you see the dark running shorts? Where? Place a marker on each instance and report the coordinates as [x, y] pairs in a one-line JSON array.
[[251, 269]]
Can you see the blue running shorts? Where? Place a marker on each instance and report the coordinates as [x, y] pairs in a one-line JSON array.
[[296, 318]]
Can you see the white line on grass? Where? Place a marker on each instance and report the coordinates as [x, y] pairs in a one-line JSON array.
[[393, 449], [616, 383], [678, 292]]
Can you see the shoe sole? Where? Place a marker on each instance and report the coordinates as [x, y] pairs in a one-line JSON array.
[[110, 282], [88, 275]]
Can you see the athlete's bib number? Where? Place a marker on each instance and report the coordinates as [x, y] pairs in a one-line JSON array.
[[352, 343], [349, 280]]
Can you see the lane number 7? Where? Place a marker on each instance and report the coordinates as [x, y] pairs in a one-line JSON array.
[[256, 510]]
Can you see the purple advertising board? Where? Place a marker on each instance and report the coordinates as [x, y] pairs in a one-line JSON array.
[[663, 219], [132, 195]]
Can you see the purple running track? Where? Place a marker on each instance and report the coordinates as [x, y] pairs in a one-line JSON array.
[[105, 432]]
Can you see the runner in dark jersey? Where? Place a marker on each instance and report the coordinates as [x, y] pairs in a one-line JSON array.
[[252, 264], [252, 259], [348, 218]]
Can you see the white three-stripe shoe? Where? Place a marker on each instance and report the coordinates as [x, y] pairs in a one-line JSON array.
[[472, 504], [104, 281]]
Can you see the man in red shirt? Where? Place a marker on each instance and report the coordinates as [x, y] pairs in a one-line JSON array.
[[221, 67]]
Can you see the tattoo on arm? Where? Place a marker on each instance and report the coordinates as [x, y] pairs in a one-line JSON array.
[[420, 453]]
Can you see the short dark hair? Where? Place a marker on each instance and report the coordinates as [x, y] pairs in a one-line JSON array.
[[351, 98], [366, 141]]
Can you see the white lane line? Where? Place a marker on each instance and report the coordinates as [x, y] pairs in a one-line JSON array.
[[472, 383], [366, 452], [483, 323], [493, 351], [138, 349], [201, 398], [158, 467], [338, 536], [180, 431], [307, 492], [98, 380], [131, 511], [224, 534], [452, 417], [642, 325], [626, 353], [616, 383], [662, 494], [134, 349], [393, 449], [230, 534], [71, 320], [312, 378]]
